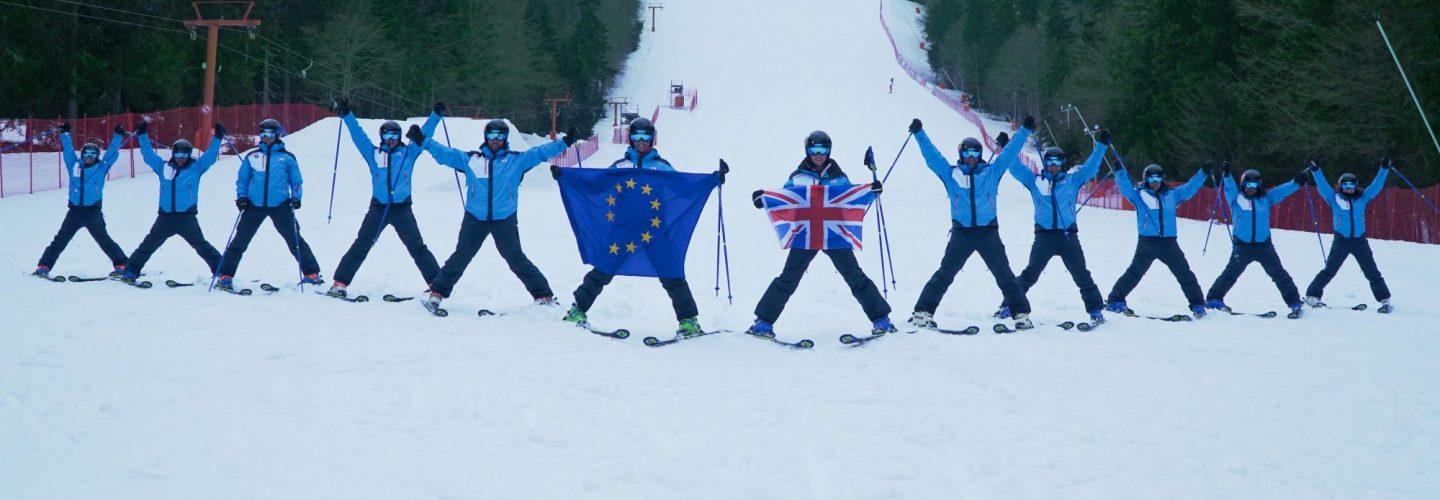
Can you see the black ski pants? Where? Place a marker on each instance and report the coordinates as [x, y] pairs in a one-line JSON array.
[[401, 217], [1167, 250], [184, 225], [90, 219], [679, 290], [773, 302], [473, 232], [1066, 245], [1240, 257], [283, 218], [1342, 248], [965, 241]]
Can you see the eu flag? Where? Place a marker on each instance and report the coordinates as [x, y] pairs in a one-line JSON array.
[[635, 222]]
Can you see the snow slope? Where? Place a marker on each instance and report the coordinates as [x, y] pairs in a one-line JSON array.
[[107, 391]]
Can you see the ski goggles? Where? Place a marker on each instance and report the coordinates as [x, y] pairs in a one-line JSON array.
[[89, 153], [818, 149], [1054, 162], [641, 136], [388, 136], [969, 153], [1154, 178], [496, 135], [1251, 184], [1349, 185], [269, 132], [180, 155]]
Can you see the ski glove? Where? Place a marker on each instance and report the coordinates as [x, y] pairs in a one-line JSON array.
[[915, 125], [1303, 177], [1312, 166], [1104, 137], [755, 197], [876, 187], [415, 135], [242, 203], [440, 108], [219, 131], [1029, 122], [295, 203], [555, 171], [65, 128], [142, 127], [1002, 139], [119, 129], [724, 169], [1225, 168], [1386, 163], [342, 106], [571, 136]]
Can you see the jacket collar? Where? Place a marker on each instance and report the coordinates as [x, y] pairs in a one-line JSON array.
[[635, 158]]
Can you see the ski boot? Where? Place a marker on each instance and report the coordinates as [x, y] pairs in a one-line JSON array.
[[130, 277], [761, 328], [548, 300], [337, 289], [1116, 306], [431, 303], [689, 327], [1296, 310], [312, 279], [1217, 304], [1198, 311], [117, 273], [1385, 307], [576, 316], [41, 271], [1314, 302], [224, 283], [922, 319], [882, 326], [1003, 313], [1022, 322]]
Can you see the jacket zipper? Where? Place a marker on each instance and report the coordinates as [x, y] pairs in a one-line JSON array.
[[174, 184], [490, 189], [266, 197], [971, 177]]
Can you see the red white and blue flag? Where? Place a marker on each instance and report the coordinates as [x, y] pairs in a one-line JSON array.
[[819, 217]]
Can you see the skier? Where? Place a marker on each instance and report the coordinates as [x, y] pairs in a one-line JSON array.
[[819, 169], [1155, 204], [269, 187], [1347, 206], [971, 184], [641, 154], [179, 197], [1250, 205], [1054, 195], [87, 188], [391, 168], [492, 186]]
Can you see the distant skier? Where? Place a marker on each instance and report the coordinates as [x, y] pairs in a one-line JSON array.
[[1155, 204], [1054, 194], [971, 186], [641, 154], [492, 187], [1347, 206], [819, 169], [269, 187], [1250, 205], [392, 167], [87, 188], [179, 199]]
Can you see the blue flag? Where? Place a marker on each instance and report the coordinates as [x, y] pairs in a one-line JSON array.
[[634, 222]]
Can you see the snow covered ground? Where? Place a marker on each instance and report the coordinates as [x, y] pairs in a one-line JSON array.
[[112, 392]]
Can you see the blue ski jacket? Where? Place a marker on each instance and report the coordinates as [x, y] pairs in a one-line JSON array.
[[492, 178], [1252, 215], [1347, 213], [87, 182], [179, 184], [831, 175], [649, 161], [972, 191], [1155, 210], [391, 171], [269, 176], [1055, 196]]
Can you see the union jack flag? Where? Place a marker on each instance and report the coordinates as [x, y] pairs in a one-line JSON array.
[[819, 217]]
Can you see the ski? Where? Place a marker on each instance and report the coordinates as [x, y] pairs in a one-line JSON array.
[[266, 287], [1067, 326], [393, 298], [1003, 328], [52, 279], [1086, 326], [656, 342], [802, 344], [854, 341], [1173, 319], [77, 279], [354, 300], [1266, 314], [1294, 314], [177, 284], [137, 284], [434, 309], [969, 330], [244, 292], [620, 334]]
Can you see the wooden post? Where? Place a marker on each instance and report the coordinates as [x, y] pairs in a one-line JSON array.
[[554, 111]]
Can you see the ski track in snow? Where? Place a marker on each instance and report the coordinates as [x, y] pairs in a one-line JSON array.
[[112, 392]]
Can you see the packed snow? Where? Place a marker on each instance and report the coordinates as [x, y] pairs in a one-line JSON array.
[[112, 392]]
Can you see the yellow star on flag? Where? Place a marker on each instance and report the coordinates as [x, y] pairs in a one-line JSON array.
[[630, 247], [610, 216], [614, 249], [645, 236], [655, 204], [655, 222], [630, 184], [617, 187], [646, 189], [610, 200]]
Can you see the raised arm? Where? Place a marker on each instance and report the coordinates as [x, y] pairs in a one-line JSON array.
[[1279, 193], [1232, 191], [448, 156], [534, 156], [934, 159], [1092, 164], [1376, 185], [361, 140], [1127, 188], [1188, 190], [1326, 192], [212, 153], [67, 152], [1012, 150], [147, 152], [112, 152], [1022, 174]]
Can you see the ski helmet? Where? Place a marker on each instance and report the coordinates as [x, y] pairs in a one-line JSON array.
[[181, 146], [498, 125], [90, 149], [272, 125], [1153, 170], [1348, 178], [641, 126], [1054, 152], [818, 139], [1249, 176], [389, 127], [970, 144]]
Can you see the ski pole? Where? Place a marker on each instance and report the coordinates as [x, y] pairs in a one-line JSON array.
[[1211, 225], [1413, 188], [724, 242], [897, 157], [458, 190], [27, 141], [221, 264], [880, 224], [1085, 203], [295, 224], [334, 171], [885, 238], [1316, 221]]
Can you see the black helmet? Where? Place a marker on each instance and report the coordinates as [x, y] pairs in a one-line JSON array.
[[273, 125], [497, 124], [89, 147], [1154, 169], [817, 138], [181, 146], [1348, 177], [389, 126], [1250, 175], [1054, 152], [643, 126], [971, 144]]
